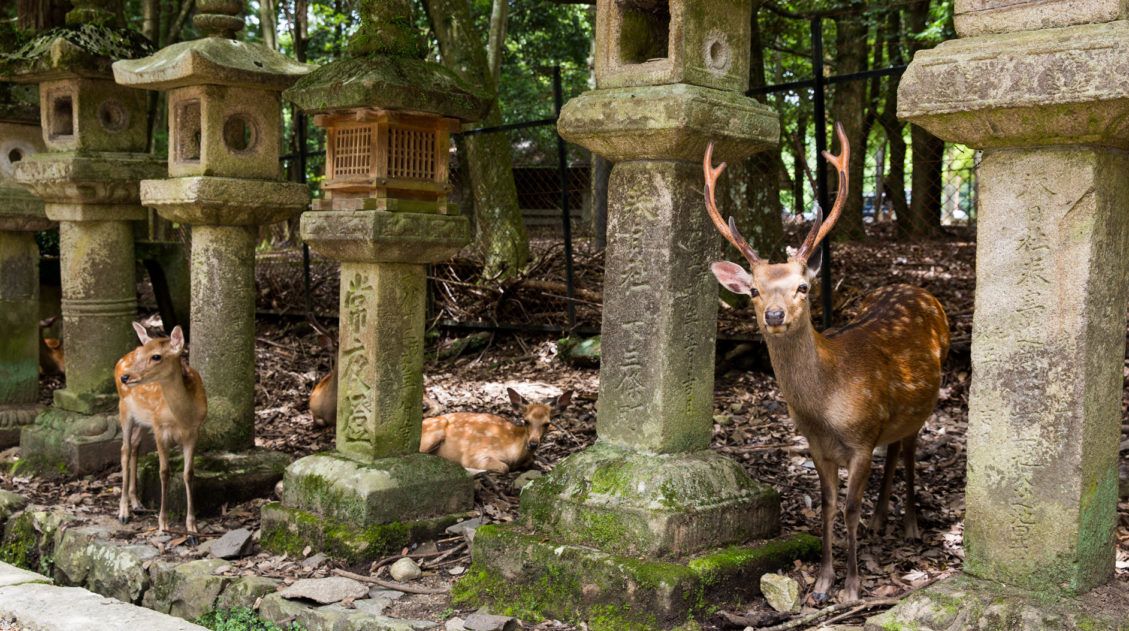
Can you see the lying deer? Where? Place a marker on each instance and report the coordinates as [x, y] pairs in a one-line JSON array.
[[485, 442], [159, 391], [52, 361], [872, 382]]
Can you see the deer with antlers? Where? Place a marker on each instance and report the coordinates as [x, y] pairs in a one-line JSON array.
[[872, 382]]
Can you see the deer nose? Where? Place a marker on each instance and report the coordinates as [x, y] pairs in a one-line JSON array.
[[775, 317], [533, 444]]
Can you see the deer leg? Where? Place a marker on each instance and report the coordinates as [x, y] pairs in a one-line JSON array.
[[829, 492], [490, 463], [135, 450], [163, 458], [123, 503], [190, 512], [858, 472], [882, 508], [909, 523]]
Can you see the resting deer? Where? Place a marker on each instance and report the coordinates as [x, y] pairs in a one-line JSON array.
[[872, 382], [159, 391], [485, 442]]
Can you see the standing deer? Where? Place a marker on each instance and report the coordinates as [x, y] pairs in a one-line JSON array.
[[872, 382], [159, 391], [486, 442]]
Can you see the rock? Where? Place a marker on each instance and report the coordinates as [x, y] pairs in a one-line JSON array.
[[40, 606], [405, 570], [234, 544], [85, 557], [456, 570], [525, 478], [185, 590], [781, 592], [579, 351], [487, 622], [378, 600], [464, 527], [9, 504], [455, 624], [325, 590], [244, 591], [282, 611], [278, 490], [314, 561]]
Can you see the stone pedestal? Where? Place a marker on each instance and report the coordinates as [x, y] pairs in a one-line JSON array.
[[1048, 108], [377, 493], [94, 199]]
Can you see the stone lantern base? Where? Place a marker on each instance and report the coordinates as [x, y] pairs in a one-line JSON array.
[[362, 511], [965, 602], [646, 539]]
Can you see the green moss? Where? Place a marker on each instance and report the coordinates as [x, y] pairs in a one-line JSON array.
[[241, 619], [21, 545], [716, 565], [619, 618]]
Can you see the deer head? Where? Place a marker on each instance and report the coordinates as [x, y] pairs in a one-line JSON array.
[[779, 290], [537, 416], [155, 360]]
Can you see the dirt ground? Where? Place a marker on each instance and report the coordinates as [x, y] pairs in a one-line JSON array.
[[750, 423]]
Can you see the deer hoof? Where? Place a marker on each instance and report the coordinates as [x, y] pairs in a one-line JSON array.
[[820, 598], [192, 541], [123, 519]]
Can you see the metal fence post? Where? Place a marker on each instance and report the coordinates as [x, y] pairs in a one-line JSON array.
[[566, 218]]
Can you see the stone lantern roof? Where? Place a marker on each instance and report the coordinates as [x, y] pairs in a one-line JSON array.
[[77, 50], [385, 69], [215, 59]]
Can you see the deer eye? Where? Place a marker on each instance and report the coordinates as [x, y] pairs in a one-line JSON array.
[[803, 289], [156, 358]]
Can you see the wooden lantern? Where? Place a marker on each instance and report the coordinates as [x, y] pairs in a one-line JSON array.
[[384, 160]]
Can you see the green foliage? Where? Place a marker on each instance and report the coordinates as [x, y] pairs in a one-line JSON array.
[[241, 619]]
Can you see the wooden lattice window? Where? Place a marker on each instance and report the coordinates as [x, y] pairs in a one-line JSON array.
[[411, 154], [352, 151]]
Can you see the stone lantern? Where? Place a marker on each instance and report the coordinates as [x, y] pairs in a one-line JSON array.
[[649, 523], [388, 114], [224, 180], [96, 136], [21, 215]]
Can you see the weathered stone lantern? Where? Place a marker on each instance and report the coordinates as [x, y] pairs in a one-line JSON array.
[[224, 180], [96, 136], [649, 523], [388, 113], [21, 215]]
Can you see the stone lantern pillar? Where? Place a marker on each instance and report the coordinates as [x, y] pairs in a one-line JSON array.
[[21, 216], [648, 521], [225, 180], [388, 114], [1043, 89], [96, 136]]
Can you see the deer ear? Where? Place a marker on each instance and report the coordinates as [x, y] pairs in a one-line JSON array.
[[176, 339], [561, 402], [516, 399], [815, 261], [52, 342], [142, 334], [733, 277]]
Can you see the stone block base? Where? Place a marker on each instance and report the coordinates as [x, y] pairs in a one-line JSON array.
[[290, 530], [68, 443], [218, 479], [13, 418], [361, 511], [651, 505], [523, 575], [964, 602]]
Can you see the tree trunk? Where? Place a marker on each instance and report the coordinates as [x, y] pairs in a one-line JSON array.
[[40, 15], [268, 23], [497, 40], [500, 232], [849, 108], [923, 218], [151, 20], [751, 190]]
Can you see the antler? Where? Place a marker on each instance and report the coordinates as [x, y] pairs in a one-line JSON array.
[[820, 228], [727, 230]]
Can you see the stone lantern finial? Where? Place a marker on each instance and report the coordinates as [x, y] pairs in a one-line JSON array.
[[219, 18], [96, 12], [387, 29]]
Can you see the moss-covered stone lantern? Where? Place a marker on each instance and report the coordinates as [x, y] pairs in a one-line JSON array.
[[388, 113], [649, 524], [96, 135], [225, 122], [21, 215]]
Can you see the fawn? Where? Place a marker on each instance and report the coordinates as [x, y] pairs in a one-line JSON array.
[[323, 398], [159, 391], [485, 442], [872, 382], [52, 361]]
